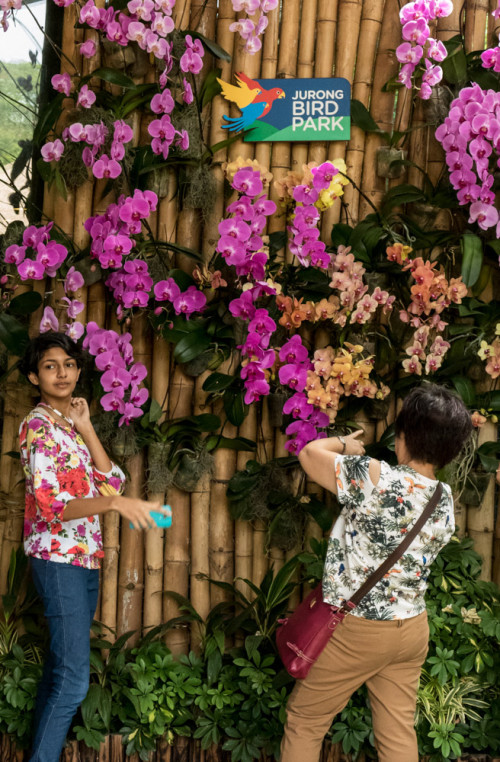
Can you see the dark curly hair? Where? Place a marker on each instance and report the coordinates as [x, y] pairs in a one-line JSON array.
[[435, 424], [38, 346]]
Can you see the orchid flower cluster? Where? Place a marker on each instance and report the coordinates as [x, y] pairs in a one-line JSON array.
[[491, 353], [148, 24], [95, 136], [470, 136], [431, 293], [319, 386], [121, 376], [241, 243], [242, 246], [184, 302], [38, 256], [294, 373], [419, 44], [491, 58], [248, 30], [73, 307], [111, 233], [162, 131], [353, 303], [111, 241]]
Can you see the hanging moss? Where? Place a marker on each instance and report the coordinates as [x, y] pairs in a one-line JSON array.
[[159, 476], [201, 190], [191, 468], [187, 118], [287, 528]]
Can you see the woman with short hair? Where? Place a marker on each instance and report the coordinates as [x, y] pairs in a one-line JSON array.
[[384, 641]]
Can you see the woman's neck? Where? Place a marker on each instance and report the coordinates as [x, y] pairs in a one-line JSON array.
[[424, 469], [61, 406]]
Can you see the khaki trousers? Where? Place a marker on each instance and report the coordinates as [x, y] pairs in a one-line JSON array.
[[387, 656]]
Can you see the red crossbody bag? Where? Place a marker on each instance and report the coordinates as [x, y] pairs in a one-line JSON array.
[[302, 636]]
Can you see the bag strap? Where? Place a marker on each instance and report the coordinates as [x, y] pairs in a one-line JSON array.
[[377, 575]]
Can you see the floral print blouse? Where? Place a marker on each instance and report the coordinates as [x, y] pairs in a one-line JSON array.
[[371, 525], [58, 468]]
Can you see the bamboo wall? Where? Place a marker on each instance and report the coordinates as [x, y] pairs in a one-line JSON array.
[[305, 38]]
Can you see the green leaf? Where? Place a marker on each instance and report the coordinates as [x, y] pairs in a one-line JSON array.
[[155, 411], [401, 194], [361, 117], [191, 346], [25, 304], [45, 170], [212, 46], [227, 443], [210, 88], [206, 421], [48, 116], [455, 67], [465, 388], [341, 234], [61, 185], [472, 258], [217, 382], [234, 407], [112, 76], [13, 335]]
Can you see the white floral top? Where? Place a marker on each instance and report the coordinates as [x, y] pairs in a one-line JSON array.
[[371, 525], [58, 468]]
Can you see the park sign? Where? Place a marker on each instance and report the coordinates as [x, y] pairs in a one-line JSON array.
[[289, 109]]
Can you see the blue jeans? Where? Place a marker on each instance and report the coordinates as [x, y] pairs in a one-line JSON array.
[[69, 594]]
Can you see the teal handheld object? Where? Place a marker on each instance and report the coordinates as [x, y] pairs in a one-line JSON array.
[[161, 520]]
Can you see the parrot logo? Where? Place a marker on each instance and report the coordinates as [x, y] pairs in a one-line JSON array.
[[251, 98]]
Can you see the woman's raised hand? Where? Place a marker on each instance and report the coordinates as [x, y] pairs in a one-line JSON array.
[[353, 445]]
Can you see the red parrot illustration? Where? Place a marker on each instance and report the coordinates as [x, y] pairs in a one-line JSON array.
[[251, 98]]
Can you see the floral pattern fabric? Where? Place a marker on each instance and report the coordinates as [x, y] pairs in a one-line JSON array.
[[372, 523], [58, 468]]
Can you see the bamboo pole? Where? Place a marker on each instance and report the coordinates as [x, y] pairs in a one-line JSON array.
[[492, 39], [326, 36], [243, 534], [131, 562], [476, 22], [177, 556], [221, 537], [199, 589], [154, 538], [371, 22], [219, 108], [305, 68], [181, 13], [265, 446], [419, 142], [250, 65], [130, 570], [286, 68], [276, 555], [481, 520], [386, 66], [18, 401], [269, 64]]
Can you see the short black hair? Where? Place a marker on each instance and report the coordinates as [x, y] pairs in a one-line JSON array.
[[435, 424], [38, 346]]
